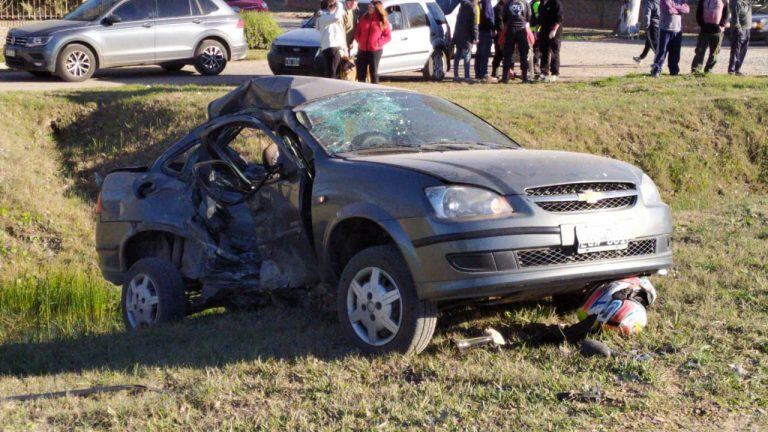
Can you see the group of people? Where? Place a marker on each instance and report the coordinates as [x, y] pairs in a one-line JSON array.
[[529, 29], [664, 35], [532, 30], [340, 27]]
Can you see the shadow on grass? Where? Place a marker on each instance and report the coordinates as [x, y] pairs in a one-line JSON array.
[[282, 333]]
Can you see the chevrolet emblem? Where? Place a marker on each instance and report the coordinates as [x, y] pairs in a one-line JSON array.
[[590, 196], [13, 40]]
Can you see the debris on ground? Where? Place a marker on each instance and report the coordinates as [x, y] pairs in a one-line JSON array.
[[739, 370], [492, 337], [131, 389], [591, 347], [592, 395]]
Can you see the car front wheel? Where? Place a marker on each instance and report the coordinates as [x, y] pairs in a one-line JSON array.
[[378, 306], [210, 58], [153, 294], [436, 66], [76, 63]]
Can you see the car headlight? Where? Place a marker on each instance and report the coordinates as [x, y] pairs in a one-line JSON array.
[[38, 41], [649, 192], [463, 202]]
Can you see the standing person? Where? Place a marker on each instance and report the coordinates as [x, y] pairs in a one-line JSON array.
[[350, 22], [498, 49], [711, 15], [670, 36], [465, 36], [485, 40], [551, 25], [333, 39], [517, 17], [372, 33], [535, 29], [741, 22], [651, 23]]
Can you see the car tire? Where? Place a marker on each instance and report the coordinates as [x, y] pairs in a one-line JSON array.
[[431, 71], [40, 74], [153, 294], [76, 63], [173, 67], [210, 58], [405, 323]]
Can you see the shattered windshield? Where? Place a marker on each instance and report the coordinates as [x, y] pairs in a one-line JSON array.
[[91, 10], [365, 122]]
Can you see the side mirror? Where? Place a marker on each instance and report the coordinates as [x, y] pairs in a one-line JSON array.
[[222, 182], [111, 19]]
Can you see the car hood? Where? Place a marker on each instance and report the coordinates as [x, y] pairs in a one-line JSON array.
[[307, 37], [510, 172], [46, 28]]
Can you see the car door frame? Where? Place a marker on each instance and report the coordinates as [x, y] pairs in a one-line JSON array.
[[393, 57], [418, 37], [119, 59], [186, 52]]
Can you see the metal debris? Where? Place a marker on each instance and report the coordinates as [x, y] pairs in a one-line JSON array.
[[492, 337]]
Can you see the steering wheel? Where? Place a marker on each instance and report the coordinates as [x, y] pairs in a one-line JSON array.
[[370, 140]]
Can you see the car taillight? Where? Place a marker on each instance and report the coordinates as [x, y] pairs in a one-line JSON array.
[[240, 23], [99, 208]]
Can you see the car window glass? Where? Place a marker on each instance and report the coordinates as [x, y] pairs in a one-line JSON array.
[[173, 8], [206, 6], [416, 15], [135, 10], [396, 19], [178, 164]]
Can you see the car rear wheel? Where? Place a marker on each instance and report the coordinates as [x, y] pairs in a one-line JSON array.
[[210, 58], [76, 63], [436, 66], [378, 306], [153, 294]]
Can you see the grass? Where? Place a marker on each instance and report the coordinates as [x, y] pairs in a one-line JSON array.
[[257, 54], [283, 367]]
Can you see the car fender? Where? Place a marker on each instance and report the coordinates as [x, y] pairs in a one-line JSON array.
[[212, 33], [142, 227], [377, 215], [60, 41]]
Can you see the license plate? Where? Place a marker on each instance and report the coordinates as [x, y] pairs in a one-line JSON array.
[[292, 61], [597, 238], [10, 53]]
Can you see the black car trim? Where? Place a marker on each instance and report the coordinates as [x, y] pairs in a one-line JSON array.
[[443, 238]]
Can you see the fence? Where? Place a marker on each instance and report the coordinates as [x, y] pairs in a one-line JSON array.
[[28, 10]]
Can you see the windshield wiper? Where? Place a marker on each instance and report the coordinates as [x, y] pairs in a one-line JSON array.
[[462, 145], [386, 149]]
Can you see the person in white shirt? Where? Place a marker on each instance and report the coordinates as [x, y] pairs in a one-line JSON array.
[[333, 37]]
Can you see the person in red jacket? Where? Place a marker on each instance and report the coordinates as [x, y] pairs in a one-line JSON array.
[[372, 33]]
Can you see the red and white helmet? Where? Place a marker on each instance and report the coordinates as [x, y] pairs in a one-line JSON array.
[[626, 316], [640, 290]]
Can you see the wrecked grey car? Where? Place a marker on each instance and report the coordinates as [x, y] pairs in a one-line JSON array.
[[398, 201]]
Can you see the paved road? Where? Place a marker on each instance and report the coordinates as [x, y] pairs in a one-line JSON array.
[[580, 60]]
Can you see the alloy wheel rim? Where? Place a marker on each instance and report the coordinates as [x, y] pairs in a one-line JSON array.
[[374, 306], [78, 64], [213, 58], [141, 301]]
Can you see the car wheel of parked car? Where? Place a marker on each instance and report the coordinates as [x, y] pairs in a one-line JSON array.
[[40, 74], [153, 294], [378, 306], [76, 63], [210, 58], [436, 66], [173, 67]]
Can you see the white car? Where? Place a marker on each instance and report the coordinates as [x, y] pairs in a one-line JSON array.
[[420, 41]]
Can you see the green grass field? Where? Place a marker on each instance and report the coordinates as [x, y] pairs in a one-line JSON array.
[[705, 141]]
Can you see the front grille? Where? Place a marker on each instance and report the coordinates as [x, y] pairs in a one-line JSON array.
[[575, 188], [576, 206], [561, 256], [15, 40], [581, 197]]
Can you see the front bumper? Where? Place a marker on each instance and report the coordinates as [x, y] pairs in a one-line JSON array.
[[309, 62], [29, 59], [532, 255]]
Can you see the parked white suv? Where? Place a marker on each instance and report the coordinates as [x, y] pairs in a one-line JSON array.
[[420, 41]]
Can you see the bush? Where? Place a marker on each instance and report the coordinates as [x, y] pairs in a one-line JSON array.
[[260, 29]]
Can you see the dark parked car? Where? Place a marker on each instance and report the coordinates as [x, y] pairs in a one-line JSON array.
[[759, 29], [400, 201], [249, 5]]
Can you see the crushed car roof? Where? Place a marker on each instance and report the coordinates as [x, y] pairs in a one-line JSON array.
[[280, 92]]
